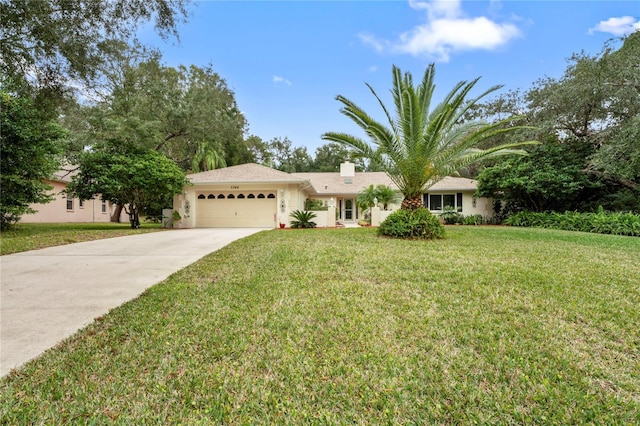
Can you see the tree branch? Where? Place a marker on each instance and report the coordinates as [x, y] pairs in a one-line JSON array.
[[622, 181]]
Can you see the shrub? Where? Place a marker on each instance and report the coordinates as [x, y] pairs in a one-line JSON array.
[[474, 219], [418, 223], [314, 205], [451, 217], [600, 222], [302, 219]]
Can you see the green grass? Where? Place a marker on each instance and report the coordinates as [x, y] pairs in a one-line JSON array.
[[492, 325], [31, 236]]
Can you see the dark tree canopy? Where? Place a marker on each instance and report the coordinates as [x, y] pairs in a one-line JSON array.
[[61, 38], [329, 156], [46, 46], [187, 113], [590, 118], [286, 158], [551, 178], [29, 148]]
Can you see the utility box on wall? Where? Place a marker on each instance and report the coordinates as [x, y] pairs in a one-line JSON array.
[[167, 218]]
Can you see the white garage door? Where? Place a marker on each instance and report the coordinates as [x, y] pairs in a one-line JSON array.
[[235, 209]]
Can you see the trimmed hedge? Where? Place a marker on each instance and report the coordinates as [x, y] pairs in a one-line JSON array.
[[418, 223], [601, 222]]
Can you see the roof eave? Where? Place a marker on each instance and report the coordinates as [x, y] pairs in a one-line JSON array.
[[217, 182]]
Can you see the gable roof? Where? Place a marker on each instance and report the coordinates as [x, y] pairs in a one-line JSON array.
[[331, 183], [327, 183], [65, 174], [244, 173]]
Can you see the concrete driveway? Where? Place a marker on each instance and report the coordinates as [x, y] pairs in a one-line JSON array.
[[49, 294]]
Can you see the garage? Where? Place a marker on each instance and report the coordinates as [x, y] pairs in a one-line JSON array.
[[254, 209], [244, 196]]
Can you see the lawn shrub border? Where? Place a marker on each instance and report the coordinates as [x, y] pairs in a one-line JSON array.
[[600, 222]]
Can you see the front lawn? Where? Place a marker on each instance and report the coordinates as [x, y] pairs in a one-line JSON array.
[[492, 325], [31, 236]]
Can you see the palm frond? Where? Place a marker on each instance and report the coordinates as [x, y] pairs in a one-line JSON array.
[[421, 146]]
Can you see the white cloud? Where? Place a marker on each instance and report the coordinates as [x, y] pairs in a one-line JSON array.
[[446, 30], [438, 8], [617, 26], [281, 80], [442, 36], [373, 68], [371, 40]]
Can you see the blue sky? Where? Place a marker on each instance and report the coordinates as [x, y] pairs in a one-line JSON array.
[[287, 60]]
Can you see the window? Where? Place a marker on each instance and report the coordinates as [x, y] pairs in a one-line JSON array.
[[449, 201], [81, 204], [251, 196], [435, 202], [104, 206], [69, 204], [271, 196], [240, 195], [231, 196], [260, 195], [201, 197], [211, 196], [439, 202], [220, 195]]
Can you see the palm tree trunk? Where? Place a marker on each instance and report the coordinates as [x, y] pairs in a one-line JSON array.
[[412, 203]]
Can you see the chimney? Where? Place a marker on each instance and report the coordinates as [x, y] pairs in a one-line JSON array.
[[347, 169]]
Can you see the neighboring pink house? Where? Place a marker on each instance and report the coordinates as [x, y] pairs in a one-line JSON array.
[[63, 209]]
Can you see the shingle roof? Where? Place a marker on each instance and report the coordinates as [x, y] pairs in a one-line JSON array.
[[328, 183], [244, 173], [333, 184], [65, 173], [455, 184]]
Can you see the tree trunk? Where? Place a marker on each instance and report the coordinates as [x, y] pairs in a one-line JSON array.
[[134, 218], [115, 217], [412, 203]]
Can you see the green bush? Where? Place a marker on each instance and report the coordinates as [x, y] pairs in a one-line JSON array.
[[314, 205], [302, 219], [451, 217], [600, 222], [474, 219], [419, 223]]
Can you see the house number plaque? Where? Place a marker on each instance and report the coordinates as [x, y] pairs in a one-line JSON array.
[[235, 187]]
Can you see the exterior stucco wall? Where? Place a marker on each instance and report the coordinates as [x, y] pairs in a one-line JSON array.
[[56, 211], [288, 199], [484, 206]]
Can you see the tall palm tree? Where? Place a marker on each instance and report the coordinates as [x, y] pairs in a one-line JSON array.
[[421, 145]]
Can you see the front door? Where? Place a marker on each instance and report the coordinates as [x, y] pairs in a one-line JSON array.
[[348, 209]]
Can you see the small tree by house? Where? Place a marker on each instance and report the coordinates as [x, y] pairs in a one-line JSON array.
[[134, 179]]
